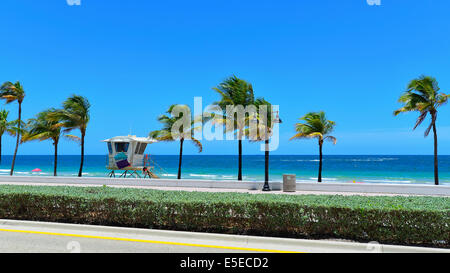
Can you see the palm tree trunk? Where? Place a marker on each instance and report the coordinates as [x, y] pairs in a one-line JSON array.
[[181, 158], [80, 172], [1, 149], [17, 141], [55, 165], [436, 176], [320, 163]]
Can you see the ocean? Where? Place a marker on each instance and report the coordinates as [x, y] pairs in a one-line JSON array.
[[337, 168]]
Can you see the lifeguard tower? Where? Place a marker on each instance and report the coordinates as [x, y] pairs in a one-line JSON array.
[[126, 153]]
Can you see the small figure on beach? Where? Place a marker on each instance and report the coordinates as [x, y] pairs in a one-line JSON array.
[[146, 172]]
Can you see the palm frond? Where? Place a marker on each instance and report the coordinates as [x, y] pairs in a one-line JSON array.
[[73, 138], [298, 136], [433, 122], [42, 127], [197, 143], [421, 118], [314, 125], [75, 114], [233, 92], [332, 139], [11, 92], [422, 95], [180, 126]]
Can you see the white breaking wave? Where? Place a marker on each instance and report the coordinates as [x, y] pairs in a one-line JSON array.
[[228, 177], [312, 160], [341, 159], [167, 174], [388, 181], [76, 174], [203, 175], [300, 160], [325, 179], [373, 159]]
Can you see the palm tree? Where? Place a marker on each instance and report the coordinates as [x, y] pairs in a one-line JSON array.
[[43, 127], [316, 125], [235, 92], [173, 128], [74, 115], [265, 121], [5, 125], [422, 95], [14, 92]]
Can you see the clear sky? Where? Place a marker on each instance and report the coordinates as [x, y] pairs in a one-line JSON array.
[[133, 58]]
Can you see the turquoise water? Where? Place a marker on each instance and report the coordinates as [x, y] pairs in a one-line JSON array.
[[367, 169]]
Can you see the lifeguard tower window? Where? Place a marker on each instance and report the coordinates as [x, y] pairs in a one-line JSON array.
[[122, 147], [109, 148], [140, 148]]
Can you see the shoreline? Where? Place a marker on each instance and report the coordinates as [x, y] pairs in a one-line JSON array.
[[231, 178]]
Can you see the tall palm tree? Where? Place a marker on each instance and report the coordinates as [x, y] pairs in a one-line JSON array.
[[11, 92], [74, 115], [5, 125], [422, 95], [172, 131], [265, 121], [235, 92], [44, 128], [316, 125]]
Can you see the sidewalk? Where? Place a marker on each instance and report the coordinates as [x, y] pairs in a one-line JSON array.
[[328, 188], [190, 189]]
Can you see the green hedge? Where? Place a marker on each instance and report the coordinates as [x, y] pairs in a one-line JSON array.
[[386, 219]]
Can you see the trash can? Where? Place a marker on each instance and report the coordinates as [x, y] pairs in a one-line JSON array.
[[289, 183]]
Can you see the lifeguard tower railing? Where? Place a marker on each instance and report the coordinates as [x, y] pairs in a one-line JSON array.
[[146, 162]]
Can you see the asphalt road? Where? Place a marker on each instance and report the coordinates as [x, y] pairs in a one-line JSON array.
[[42, 243], [60, 239], [43, 237]]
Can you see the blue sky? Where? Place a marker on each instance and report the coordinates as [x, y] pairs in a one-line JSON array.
[[134, 58]]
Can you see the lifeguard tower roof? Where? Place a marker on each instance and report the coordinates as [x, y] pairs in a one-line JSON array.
[[130, 139]]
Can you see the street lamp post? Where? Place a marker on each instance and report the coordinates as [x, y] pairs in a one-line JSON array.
[[266, 186]]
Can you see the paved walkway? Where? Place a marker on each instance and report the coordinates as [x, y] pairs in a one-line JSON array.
[[204, 189], [367, 189], [262, 192]]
